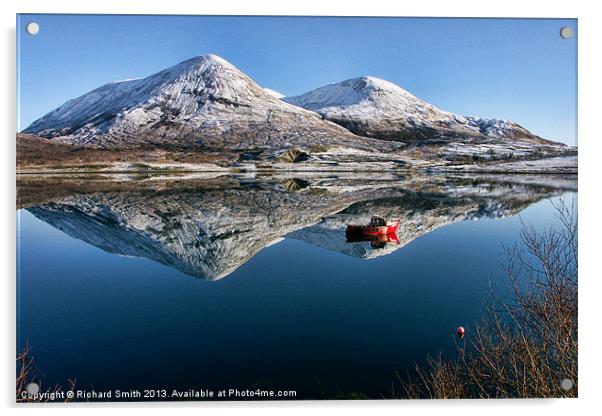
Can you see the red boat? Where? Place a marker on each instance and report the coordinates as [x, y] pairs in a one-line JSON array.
[[377, 226]]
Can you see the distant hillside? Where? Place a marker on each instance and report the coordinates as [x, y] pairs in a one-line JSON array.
[[373, 107]]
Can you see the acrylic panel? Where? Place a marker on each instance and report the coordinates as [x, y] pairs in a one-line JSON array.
[[292, 208]]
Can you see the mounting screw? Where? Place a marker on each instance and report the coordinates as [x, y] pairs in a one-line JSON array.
[[566, 32], [32, 28], [32, 388], [566, 384]]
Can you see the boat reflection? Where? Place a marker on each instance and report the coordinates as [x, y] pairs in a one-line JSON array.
[[377, 241]]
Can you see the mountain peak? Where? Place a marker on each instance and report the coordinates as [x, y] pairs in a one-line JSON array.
[[204, 100], [205, 67], [212, 59], [181, 87], [352, 92], [373, 107], [380, 84]]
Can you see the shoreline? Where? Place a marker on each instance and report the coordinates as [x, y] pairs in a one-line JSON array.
[[422, 171]]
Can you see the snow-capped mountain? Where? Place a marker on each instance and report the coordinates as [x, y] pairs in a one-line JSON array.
[[373, 107], [207, 108], [204, 101]]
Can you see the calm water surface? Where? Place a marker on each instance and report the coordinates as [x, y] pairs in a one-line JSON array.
[[252, 283]]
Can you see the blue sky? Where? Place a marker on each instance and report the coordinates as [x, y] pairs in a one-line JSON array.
[[516, 69]]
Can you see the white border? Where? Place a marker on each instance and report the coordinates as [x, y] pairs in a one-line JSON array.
[[590, 153]]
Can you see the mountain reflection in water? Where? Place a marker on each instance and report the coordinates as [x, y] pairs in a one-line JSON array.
[[208, 227]]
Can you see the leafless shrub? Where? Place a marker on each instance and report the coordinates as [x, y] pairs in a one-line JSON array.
[[527, 342], [26, 374]]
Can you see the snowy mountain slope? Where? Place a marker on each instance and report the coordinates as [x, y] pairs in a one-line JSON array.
[[274, 93], [203, 101], [374, 107]]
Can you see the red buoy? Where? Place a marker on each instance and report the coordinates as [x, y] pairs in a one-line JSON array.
[[460, 332]]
